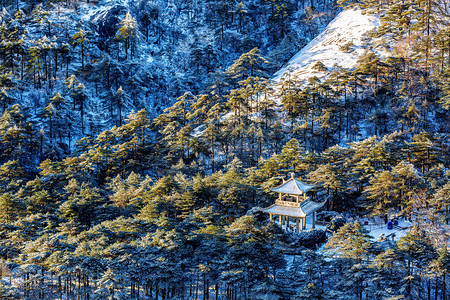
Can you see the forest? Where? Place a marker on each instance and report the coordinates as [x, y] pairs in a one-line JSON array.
[[139, 141]]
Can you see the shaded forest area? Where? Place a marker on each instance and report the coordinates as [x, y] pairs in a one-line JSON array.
[[77, 68]]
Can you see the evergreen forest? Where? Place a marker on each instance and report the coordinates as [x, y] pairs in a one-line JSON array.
[[140, 140]]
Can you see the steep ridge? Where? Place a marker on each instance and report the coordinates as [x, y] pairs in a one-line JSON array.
[[340, 44]]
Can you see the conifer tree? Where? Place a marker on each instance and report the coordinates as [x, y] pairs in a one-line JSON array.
[[42, 17], [290, 156], [441, 202], [80, 38], [439, 269], [416, 250], [248, 64], [10, 208], [351, 242], [128, 33], [445, 84], [79, 96], [119, 100]]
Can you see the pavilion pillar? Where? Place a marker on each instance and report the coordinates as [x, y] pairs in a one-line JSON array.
[[279, 220], [301, 224], [314, 220], [270, 216], [296, 227], [304, 223]]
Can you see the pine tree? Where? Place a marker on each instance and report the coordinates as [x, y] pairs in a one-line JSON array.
[[387, 278], [311, 291], [327, 175], [424, 151], [81, 204], [128, 33], [416, 250], [240, 11], [441, 202], [79, 96], [351, 242], [80, 38], [57, 112], [445, 84], [119, 100], [42, 17], [10, 208], [393, 190], [426, 14], [248, 64], [439, 268], [290, 156]]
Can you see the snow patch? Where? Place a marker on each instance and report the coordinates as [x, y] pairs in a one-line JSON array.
[[198, 131], [348, 28]]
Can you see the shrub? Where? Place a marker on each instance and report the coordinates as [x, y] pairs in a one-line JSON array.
[[310, 238], [347, 48], [257, 213], [327, 216], [336, 223]]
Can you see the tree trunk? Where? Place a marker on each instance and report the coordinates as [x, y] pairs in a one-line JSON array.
[[196, 287], [436, 288], [429, 289]]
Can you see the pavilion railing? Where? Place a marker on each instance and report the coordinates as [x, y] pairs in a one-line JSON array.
[[287, 203]]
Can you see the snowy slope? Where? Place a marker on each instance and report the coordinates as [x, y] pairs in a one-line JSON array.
[[348, 27]]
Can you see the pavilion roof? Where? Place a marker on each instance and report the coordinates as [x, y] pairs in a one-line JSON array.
[[307, 207], [276, 209], [293, 187]]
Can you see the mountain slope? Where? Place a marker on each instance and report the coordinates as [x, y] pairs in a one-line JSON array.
[[346, 30]]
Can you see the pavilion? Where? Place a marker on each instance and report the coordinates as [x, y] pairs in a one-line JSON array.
[[293, 203]]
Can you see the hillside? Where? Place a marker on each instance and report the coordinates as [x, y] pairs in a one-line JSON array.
[[107, 58], [340, 44]]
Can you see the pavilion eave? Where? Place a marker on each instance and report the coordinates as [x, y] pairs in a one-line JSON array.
[[295, 212]]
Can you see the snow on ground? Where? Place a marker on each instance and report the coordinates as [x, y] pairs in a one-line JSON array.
[[394, 234], [376, 230], [198, 131], [348, 27], [374, 226], [91, 12]]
